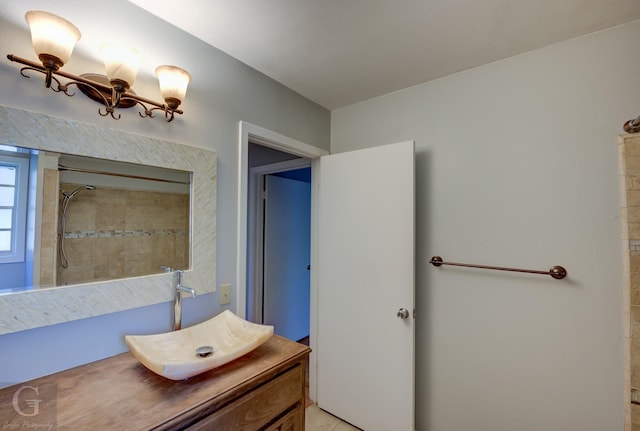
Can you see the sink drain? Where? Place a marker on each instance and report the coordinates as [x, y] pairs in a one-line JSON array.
[[204, 351]]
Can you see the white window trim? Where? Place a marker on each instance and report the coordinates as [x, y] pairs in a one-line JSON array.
[[19, 222]]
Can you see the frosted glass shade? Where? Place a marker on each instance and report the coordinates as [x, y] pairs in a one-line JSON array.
[[52, 35], [173, 82], [121, 63]]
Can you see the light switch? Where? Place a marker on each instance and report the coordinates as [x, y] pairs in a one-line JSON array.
[[225, 294]]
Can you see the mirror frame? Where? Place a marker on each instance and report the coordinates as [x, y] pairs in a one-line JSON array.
[[48, 306]]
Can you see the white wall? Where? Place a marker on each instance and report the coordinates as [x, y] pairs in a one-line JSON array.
[[516, 166], [223, 92]]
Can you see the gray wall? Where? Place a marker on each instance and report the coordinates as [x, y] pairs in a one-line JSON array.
[[223, 92], [516, 166]]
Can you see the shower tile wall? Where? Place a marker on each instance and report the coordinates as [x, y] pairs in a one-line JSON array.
[[629, 162], [116, 233]]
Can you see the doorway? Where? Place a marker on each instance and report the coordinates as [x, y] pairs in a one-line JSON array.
[[295, 149], [371, 275], [279, 241]]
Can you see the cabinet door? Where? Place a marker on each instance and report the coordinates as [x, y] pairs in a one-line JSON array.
[[254, 410], [292, 421]]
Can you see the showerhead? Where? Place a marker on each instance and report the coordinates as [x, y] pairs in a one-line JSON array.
[[76, 191], [64, 204]]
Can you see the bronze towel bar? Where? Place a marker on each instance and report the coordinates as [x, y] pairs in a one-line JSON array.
[[556, 271]]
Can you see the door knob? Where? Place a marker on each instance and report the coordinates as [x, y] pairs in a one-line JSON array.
[[403, 313]]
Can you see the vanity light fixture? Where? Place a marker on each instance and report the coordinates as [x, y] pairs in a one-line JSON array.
[[632, 126], [53, 39]]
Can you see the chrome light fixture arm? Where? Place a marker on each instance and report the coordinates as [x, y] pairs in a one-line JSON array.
[[99, 90]]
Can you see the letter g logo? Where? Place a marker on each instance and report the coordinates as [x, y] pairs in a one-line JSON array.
[[33, 404]]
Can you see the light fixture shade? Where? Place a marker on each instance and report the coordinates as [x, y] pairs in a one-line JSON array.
[[173, 82], [52, 35], [121, 64]]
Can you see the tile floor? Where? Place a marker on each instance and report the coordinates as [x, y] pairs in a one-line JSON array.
[[316, 419]]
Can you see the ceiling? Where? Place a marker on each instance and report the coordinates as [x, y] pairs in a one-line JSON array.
[[339, 52]]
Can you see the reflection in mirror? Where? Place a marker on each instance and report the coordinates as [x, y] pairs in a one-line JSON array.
[[16, 217], [81, 219]]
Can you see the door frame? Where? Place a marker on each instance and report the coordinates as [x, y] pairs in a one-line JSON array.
[[255, 238], [248, 132]]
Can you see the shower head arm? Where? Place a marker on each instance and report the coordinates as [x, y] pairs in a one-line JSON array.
[[76, 191]]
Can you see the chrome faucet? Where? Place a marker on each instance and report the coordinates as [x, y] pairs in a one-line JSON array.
[[176, 321]]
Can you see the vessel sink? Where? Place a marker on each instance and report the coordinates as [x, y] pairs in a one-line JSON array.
[[181, 354]]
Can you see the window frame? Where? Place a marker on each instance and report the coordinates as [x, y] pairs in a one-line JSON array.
[[19, 215]]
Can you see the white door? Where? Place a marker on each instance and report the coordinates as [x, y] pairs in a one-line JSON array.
[[365, 351], [287, 236]]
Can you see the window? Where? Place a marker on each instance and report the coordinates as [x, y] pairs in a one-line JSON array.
[[14, 174]]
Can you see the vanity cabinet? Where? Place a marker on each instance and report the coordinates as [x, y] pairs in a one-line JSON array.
[[261, 406], [261, 391]]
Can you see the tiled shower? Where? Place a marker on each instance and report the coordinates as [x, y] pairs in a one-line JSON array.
[[629, 162], [116, 233]]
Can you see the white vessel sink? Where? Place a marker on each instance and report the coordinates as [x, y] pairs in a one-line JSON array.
[[176, 355]]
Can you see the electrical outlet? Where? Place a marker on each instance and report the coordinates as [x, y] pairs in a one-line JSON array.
[[225, 294]]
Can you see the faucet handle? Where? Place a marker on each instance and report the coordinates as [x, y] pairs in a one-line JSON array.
[[166, 268], [179, 272]]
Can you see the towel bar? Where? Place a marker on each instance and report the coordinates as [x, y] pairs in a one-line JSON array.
[[556, 271]]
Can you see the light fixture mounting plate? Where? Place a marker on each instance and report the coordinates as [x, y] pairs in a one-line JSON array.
[[105, 90]]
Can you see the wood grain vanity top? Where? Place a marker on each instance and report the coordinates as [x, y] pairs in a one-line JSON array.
[[119, 393]]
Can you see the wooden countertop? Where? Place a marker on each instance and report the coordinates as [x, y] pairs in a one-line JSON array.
[[119, 393]]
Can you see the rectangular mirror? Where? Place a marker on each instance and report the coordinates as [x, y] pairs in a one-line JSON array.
[[101, 288]]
